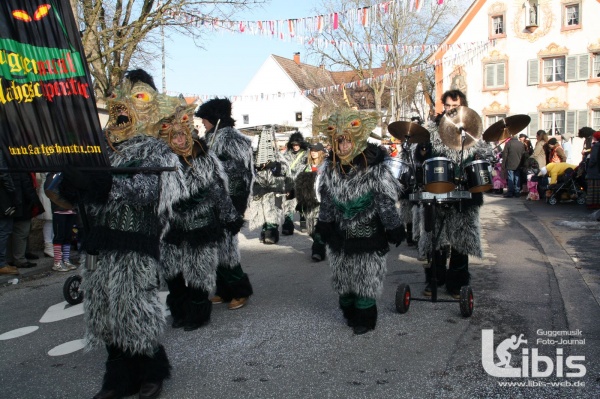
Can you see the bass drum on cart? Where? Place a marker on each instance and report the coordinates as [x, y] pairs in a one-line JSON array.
[[438, 175], [479, 176]]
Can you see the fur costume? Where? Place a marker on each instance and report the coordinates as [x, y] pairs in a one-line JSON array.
[[234, 150], [457, 224], [296, 161], [198, 222], [358, 215], [309, 205]]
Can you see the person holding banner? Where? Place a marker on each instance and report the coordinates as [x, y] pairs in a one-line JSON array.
[[235, 152], [120, 279], [188, 249]]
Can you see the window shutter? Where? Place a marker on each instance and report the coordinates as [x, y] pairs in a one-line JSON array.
[[583, 72], [532, 128], [582, 119], [533, 72], [489, 75], [501, 75], [571, 68], [571, 122]]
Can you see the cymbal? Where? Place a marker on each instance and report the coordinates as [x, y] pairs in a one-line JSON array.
[[413, 132], [455, 122], [506, 128]]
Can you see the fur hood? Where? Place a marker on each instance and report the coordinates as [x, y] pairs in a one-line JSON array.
[[297, 137]]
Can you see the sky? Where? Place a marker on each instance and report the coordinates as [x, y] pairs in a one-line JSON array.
[[229, 60]]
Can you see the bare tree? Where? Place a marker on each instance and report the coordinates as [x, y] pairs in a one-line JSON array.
[[388, 52], [118, 33]]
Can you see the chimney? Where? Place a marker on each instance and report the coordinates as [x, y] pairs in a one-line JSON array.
[[297, 58]]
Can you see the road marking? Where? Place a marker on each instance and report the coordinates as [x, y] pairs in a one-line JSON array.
[[19, 332], [67, 347], [60, 311]]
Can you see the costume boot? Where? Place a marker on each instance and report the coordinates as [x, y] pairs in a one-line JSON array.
[[240, 287], [197, 309], [272, 234], [365, 319], [287, 228], [176, 300], [318, 251], [458, 273], [440, 258], [223, 290], [121, 377], [153, 370], [262, 233], [348, 310]]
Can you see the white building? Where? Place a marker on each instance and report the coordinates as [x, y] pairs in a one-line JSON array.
[[543, 61]]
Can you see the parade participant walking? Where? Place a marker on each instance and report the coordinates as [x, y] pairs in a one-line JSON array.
[[235, 153], [358, 215], [296, 157], [457, 223], [120, 283], [308, 197], [188, 249]]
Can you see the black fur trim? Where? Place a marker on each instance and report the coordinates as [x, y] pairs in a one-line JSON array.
[[156, 368], [235, 226], [397, 235], [349, 313], [102, 238], [456, 278], [176, 297], [122, 373], [242, 288], [319, 249], [297, 137], [139, 75], [197, 237], [240, 202], [215, 110], [304, 187], [366, 317], [223, 289], [197, 309], [287, 228], [272, 235], [351, 246]]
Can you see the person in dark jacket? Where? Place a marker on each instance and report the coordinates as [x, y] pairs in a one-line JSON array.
[[511, 163], [26, 199], [8, 202]]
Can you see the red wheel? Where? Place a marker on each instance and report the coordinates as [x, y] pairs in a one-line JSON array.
[[403, 298], [466, 301]]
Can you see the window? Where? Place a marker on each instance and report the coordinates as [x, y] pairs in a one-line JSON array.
[[596, 65], [491, 119], [246, 119], [554, 122], [596, 119], [572, 15], [298, 116], [578, 67], [495, 75], [498, 25], [554, 70]]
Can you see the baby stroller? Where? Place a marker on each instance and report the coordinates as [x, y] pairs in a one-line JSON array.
[[570, 186]]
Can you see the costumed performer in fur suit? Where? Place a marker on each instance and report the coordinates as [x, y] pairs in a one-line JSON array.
[[296, 155], [456, 223], [122, 307], [358, 215], [188, 249], [234, 150], [308, 197], [266, 209]]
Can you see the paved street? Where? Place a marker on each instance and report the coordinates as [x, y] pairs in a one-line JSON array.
[[540, 277]]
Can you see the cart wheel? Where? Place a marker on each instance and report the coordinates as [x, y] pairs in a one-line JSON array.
[[403, 298], [71, 291], [552, 200], [466, 301], [581, 199]]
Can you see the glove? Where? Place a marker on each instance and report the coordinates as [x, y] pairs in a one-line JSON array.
[[324, 230], [75, 178], [396, 236], [275, 168]]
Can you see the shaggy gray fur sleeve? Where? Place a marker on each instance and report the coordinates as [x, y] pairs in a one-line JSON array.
[[326, 210], [141, 188], [386, 207]]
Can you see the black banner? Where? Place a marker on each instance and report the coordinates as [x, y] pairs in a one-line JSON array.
[[48, 115]]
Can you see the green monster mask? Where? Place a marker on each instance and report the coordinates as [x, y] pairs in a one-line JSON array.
[[348, 130], [137, 109]]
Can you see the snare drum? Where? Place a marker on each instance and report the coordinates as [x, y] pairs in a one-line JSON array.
[[479, 176], [438, 175]]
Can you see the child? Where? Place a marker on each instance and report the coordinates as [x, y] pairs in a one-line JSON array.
[[63, 219]]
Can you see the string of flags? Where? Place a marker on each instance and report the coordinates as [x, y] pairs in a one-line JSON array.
[[468, 50], [298, 28]]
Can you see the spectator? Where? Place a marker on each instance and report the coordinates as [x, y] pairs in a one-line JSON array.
[[7, 208], [512, 156], [528, 147], [586, 134], [592, 198], [25, 189], [555, 169], [63, 219], [539, 154], [565, 142], [557, 153], [46, 217]]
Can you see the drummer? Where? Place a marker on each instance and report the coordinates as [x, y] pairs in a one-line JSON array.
[[457, 223]]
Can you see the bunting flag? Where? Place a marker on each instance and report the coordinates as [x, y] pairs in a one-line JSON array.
[[470, 50], [290, 28], [48, 115]]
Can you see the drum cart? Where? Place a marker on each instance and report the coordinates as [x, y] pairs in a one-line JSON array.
[[403, 292]]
